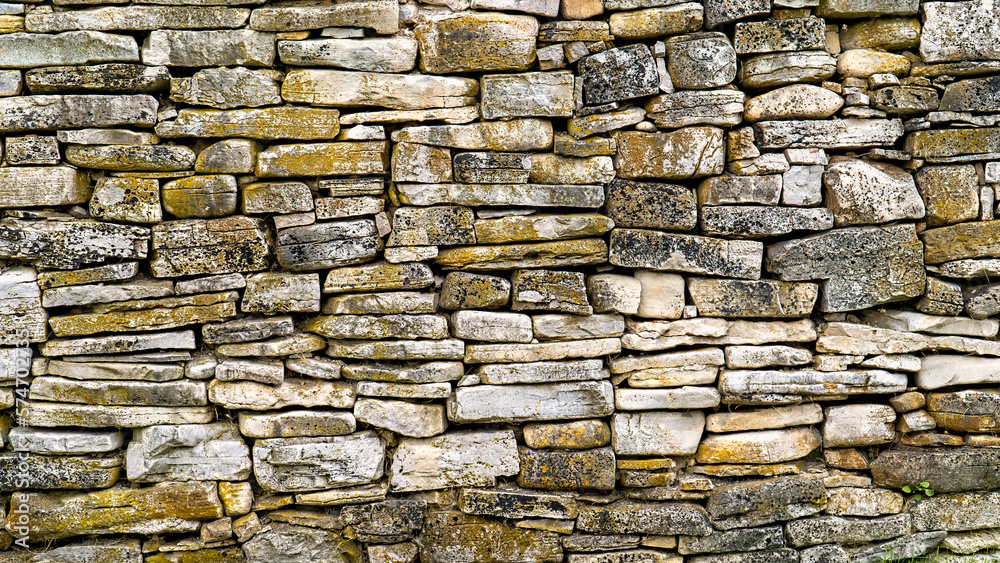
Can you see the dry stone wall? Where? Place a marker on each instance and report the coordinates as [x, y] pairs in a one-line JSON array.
[[499, 281]]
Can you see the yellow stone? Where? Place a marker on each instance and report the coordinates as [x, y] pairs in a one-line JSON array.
[[287, 122], [324, 159], [200, 196], [964, 240], [11, 24], [477, 42], [576, 435], [538, 255], [237, 498], [952, 142], [150, 319], [162, 508], [863, 63]]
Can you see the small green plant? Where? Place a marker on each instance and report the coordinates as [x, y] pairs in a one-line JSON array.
[[920, 491]]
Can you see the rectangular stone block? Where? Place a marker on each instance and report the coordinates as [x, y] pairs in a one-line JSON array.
[[47, 113], [324, 159], [519, 403], [831, 134], [29, 50], [342, 88], [536, 94], [209, 246], [311, 464], [457, 459], [685, 153], [269, 124], [216, 48], [561, 470], [656, 250]]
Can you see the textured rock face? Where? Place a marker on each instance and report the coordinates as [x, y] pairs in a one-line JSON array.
[[501, 281]]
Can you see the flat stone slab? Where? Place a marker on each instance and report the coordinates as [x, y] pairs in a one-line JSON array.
[[627, 517], [947, 471], [310, 464], [291, 122], [29, 50], [656, 250], [778, 386], [832, 134], [341, 88], [469, 458], [519, 403], [756, 503]]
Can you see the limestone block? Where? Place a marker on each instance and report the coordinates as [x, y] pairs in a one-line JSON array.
[[376, 54], [131, 200], [213, 246], [767, 221], [245, 330], [866, 62], [324, 159], [492, 167], [37, 413], [378, 277], [950, 193], [271, 372], [29, 50], [144, 18], [764, 419], [780, 69], [19, 471], [342, 88], [379, 15], [292, 392], [657, 433], [477, 42], [793, 34], [584, 126], [287, 122], [831, 134], [225, 88], [547, 290], [876, 265], [756, 298], [537, 94], [275, 292], [656, 22], [64, 441], [628, 517], [576, 435], [341, 327], [518, 403], [685, 397], [516, 504], [200, 196], [491, 327], [651, 205], [243, 47], [514, 135], [722, 190], [420, 163], [637, 248], [540, 372], [468, 458], [798, 101], [756, 503], [686, 153], [402, 417], [943, 23], [701, 60], [405, 350], [545, 351], [276, 197], [189, 452], [858, 425], [290, 424], [453, 536], [45, 113], [764, 446], [614, 292], [555, 470], [696, 107], [541, 227], [619, 74], [310, 464]]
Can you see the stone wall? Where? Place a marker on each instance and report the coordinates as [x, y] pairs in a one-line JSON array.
[[499, 281]]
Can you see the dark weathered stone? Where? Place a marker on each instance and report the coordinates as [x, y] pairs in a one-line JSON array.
[[70, 244], [911, 546], [740, 539], [947, 471], [651, 205], [517, 504], [725, 11], [327, 245], [108, 78], [957, 511], [905, 100], [20, 471], [794, 34], [761, 502], [965, 411], [783, 555], [636, 248], [492, 167], [619, 74], [701, 60], [974, 94], [834, 529], [745, 221], [752, 298], [862, 266], [386, 521], [626, 517], [558, 470]]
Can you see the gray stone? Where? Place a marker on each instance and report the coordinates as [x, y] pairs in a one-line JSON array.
[[285, 543], [722, 190], [327, 245], [956, 511], [905, 100], [585, 125], [378, 277], [913, 545], [21, 470], [215, 246], [656, 22], [244, 47], [834, 529], [849, 426], [747, 539], [745, 298], [635, 248], [492, 168], [43, 113], [831, 134], [793, 34], [541, 227], [129, 18], [103, 79], [189, 452], [783, 387], [541, 372], [28, 50], [726, 11], [514, 135], [947, 471], [547, 290], [226, 88], [516, 504], [757, 503], [866, 8], [402, 417], [379, 15], [780, 69], [764, 446], [64, 441], [619, 74], [630, 399], [657, 433], [944, 23], [626, 517], [783, 555], [554, 401], [376, 54], [917, 322], [309, 464], [758, 222], [762, 419], [701, 60], [574, 327], [861, 266], [830, 553]]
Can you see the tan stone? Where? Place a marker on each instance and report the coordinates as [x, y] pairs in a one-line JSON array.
[[686, 153], [324, 159], [766, 446], [866, 62], [301, 123], [342, 88], [477, 42], [799, 101]]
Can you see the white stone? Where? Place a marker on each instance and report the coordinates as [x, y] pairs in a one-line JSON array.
[[459, 459], [341, 88], [942, 370], [541, 372], [31, 50], [491, 326], [911, 321], [754, 357], [802, 185], [64, 441], [376, 54], [404, 418], [614, 292], [245, 47], [292, 392], [533, 94], [271, 372], [849, 426], [312, 464], [663, 335], [657, 433], [764, 419], [510, 353], [857, 339], [687, 397], [662, 295], [519, 403], [188, 452]]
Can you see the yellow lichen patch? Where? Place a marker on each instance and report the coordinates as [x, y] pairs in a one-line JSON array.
[[151, 319], [539, 255], [321, 159], [11, 24], [577, 435]]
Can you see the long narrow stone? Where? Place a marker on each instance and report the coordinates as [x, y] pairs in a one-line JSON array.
[[556, 254], [656, 250], [341, 88], [134, 18], [146, 393], [513, 135], [857, 339], [224, 47], [324, 159], [534, 195], [832, 134], [518, 403], [310, 464], [49, 185], [269, 124], [71, 244], [36, 413], [380, 15], [47, 113], [213, 246], [30, 50], [782, 387], [375, 54]]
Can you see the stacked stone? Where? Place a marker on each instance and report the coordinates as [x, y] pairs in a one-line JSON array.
[[597, 281]]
